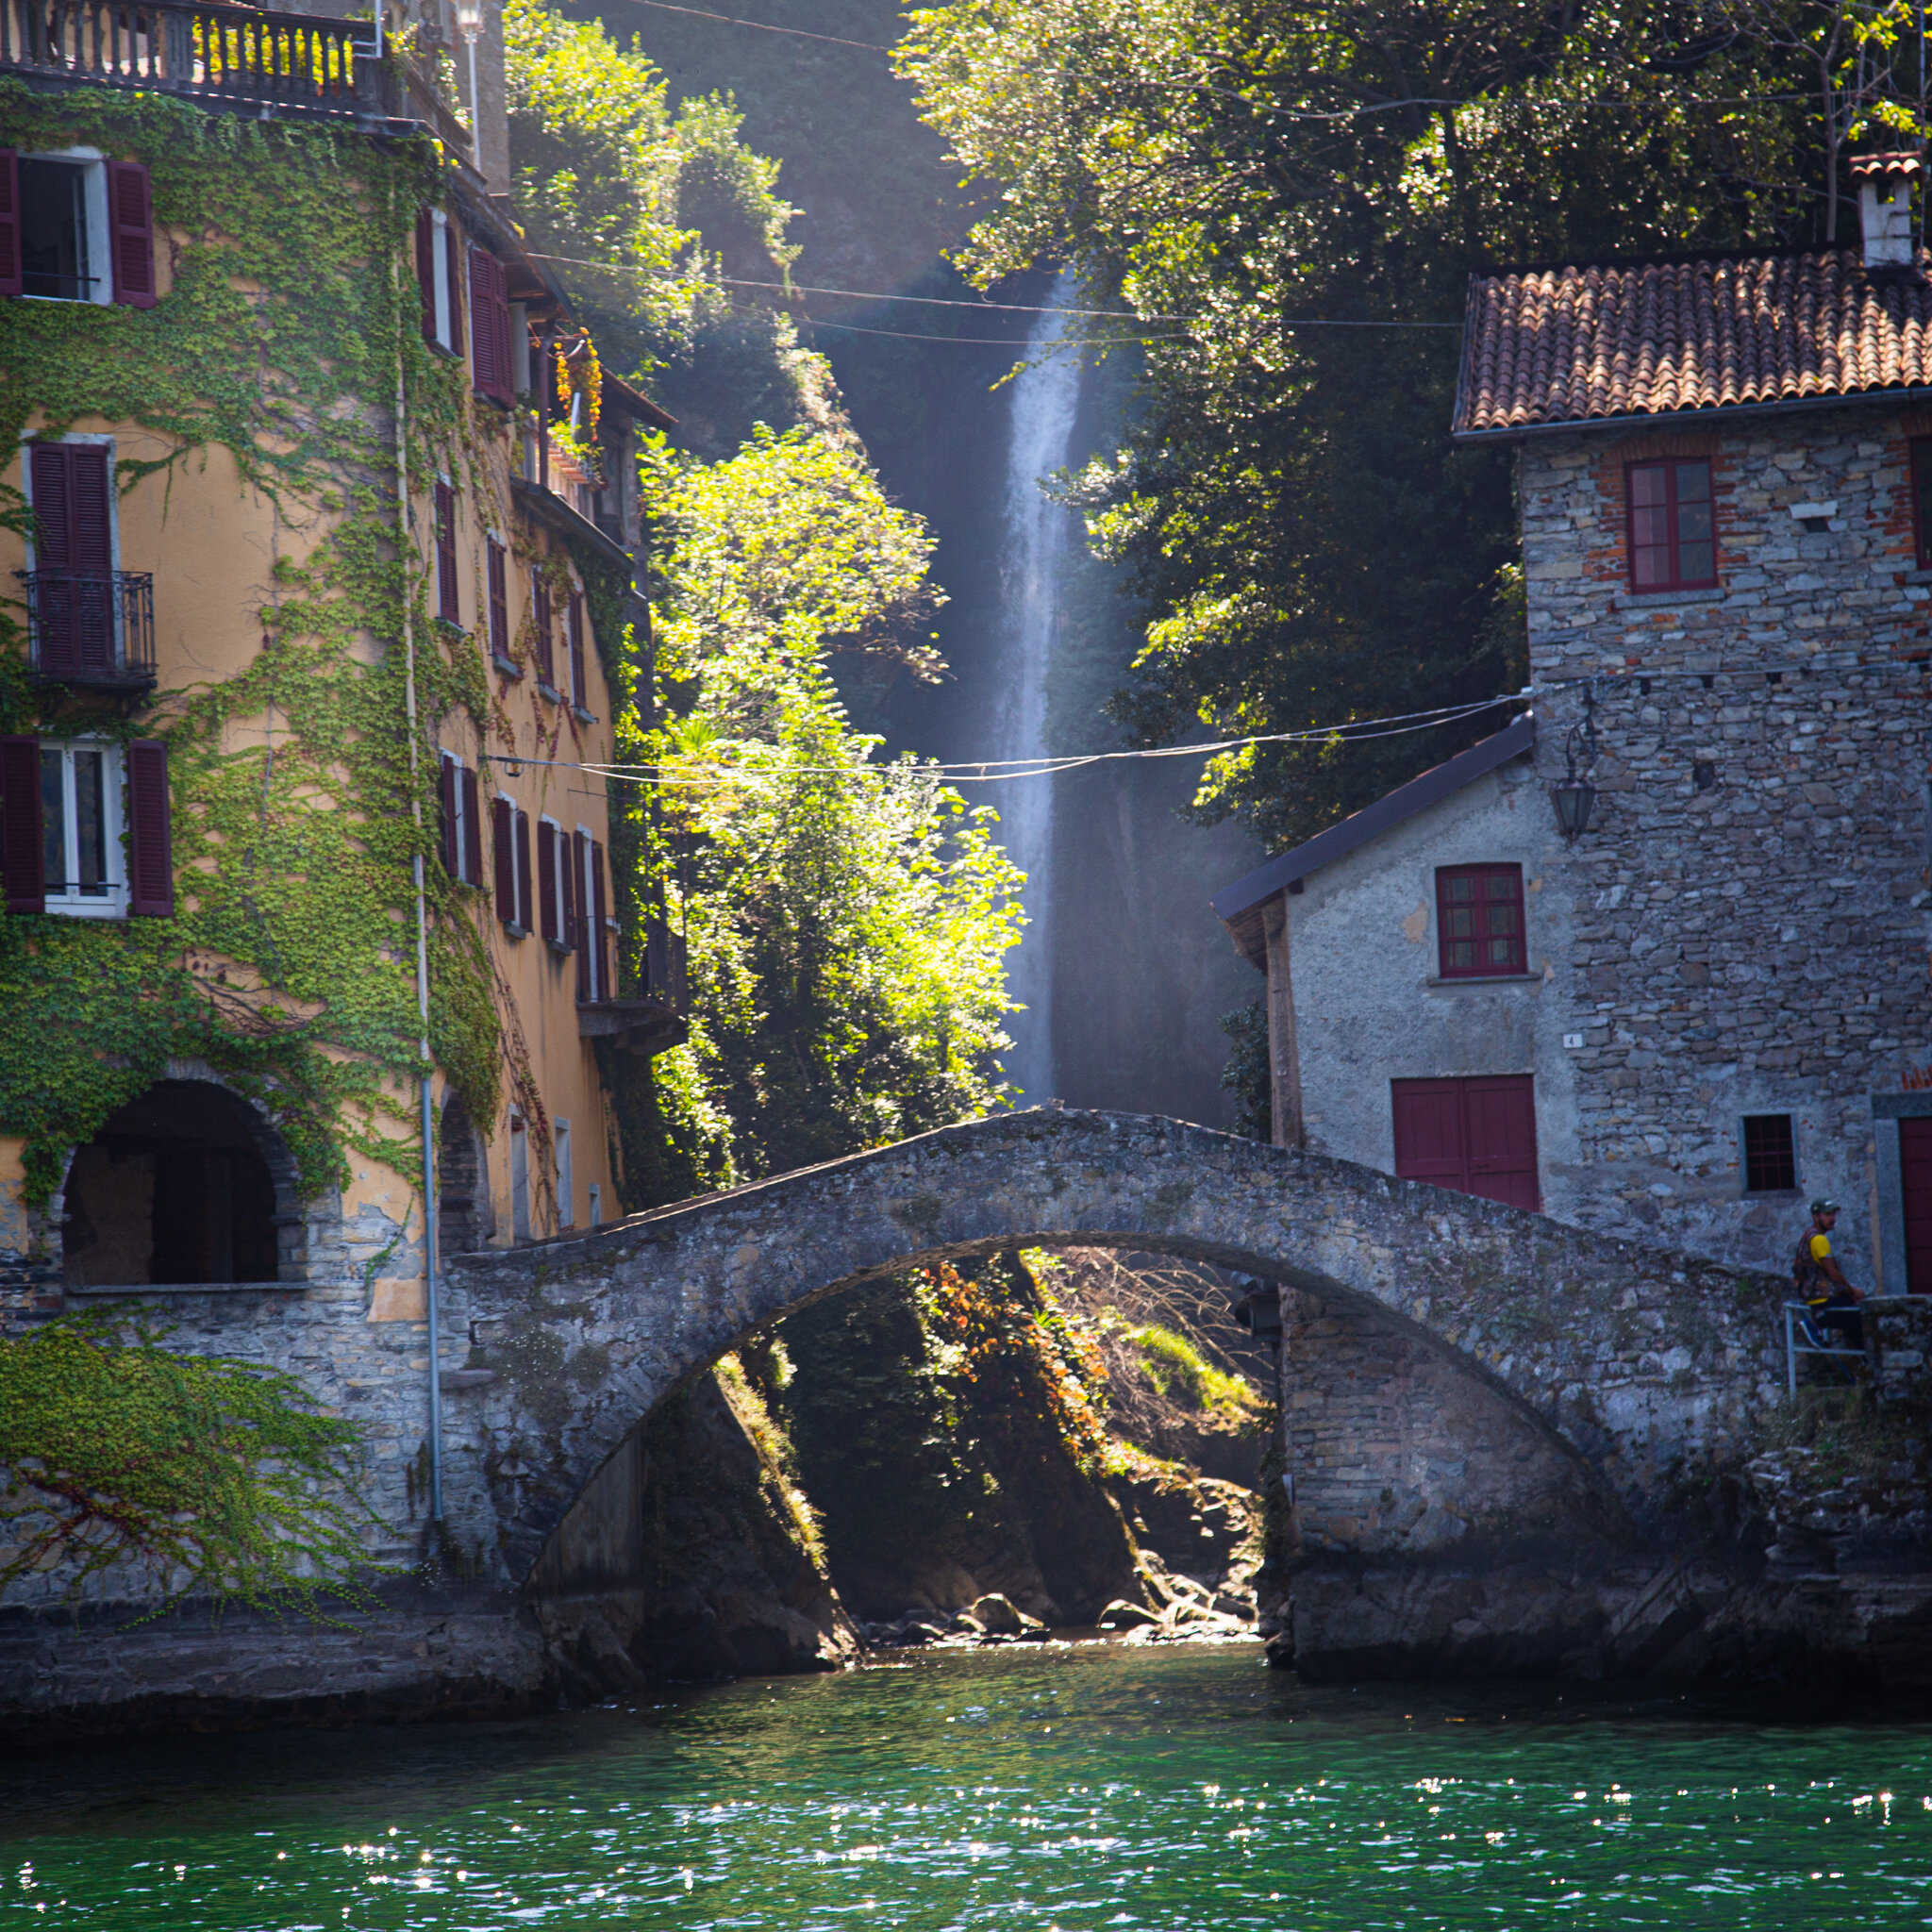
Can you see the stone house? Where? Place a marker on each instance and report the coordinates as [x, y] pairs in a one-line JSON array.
[[317, 545], [1710, 1002]]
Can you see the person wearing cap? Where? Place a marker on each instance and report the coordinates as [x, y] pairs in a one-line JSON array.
[[1822, 1282]]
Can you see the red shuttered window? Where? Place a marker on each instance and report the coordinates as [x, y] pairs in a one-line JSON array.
[[74, 556], [150, 836], [503, 850], [548, 886], [448, 604], [586, 944], [1673, 536], [22, 840], [132, 223], [489, 358], [579, 691], [496, 569], [544, 642], [449, 798], [1479, 921]]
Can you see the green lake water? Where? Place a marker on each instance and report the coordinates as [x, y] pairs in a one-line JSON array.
[[1070, 1787]]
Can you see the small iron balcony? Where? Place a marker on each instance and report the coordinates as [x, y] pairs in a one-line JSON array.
[[93, 631]]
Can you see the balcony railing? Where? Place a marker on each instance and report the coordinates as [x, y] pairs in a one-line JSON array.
[[214, 51], [92, 630]]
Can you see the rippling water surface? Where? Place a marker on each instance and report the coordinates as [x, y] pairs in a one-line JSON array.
[[1077, 1789]]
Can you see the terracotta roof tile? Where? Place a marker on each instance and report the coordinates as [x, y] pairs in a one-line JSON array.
[[1582, 344]]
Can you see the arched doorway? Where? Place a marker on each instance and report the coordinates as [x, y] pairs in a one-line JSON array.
[[178, 1187]]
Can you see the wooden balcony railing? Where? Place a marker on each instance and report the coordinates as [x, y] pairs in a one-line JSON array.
[[212, 51]]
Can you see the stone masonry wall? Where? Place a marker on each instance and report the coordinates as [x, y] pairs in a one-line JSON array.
[[1747, 912]]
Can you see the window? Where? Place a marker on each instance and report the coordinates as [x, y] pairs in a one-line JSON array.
[[1673, 539], [1922, 498], [448, 604], [594, 958], [540, 617], [556, 886], [566, 1186], [489, 327], [73, 585], [1477, 1136], [512, 841], [64, 805], [595, 1195], [76, 228], [496, 569], [1771, 1158], [462, 827], [437, 279], [574, 630], [1479, 921], [519, 1176]]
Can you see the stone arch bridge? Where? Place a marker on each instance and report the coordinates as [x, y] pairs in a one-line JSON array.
[[1617, 1366]]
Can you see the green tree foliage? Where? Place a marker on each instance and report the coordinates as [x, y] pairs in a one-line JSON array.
[[847, 917], [215, 1476], [1309, 547]]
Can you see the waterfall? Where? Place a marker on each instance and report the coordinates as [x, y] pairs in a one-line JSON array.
[[1044, 399]]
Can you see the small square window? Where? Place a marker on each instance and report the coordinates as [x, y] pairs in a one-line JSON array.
[[1771, 1160], [1479, 921], [1673, 536]]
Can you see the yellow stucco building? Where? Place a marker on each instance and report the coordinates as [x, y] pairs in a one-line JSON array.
[[317, 521]]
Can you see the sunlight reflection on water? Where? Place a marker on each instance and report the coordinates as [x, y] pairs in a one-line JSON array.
[[1077, 1789]]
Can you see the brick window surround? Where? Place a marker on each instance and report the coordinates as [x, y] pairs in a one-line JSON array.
[[1480, 923], [1672, 536], [1771, 1158], [1922, 499]]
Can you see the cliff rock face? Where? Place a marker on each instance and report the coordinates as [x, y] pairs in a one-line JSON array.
[[691, 1557]]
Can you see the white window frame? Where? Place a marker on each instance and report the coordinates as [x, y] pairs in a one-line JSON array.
[[468, 837], [100, 240], [595, 1194], [113, 902], [441, 319], [566, 1185]]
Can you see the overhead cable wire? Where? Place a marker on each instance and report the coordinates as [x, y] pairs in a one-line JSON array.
[[1229, 94]]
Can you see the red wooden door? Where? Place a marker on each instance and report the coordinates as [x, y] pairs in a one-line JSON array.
[[1915, 1173], [1477, 1136]]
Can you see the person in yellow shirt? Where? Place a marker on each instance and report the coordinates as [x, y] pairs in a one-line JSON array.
[[1822, 1282]]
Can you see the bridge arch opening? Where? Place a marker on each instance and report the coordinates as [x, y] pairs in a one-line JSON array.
[[187, 1184]]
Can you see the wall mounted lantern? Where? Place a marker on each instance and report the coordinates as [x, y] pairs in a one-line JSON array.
[[1574, 796]]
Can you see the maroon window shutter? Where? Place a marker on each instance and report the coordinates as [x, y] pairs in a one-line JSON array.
[[129, 217], [447, 599], [150, 836], [524, 869], [547, 879], [503, 815], [539, 602], [450, 828], [453, 277], [579, 691], [482, 329], [9, 222], [499, 604], [73, 538], [90, 537], [567, 908], [582, 937], [600, 936], [470, 868], [426, 272], [21, 850], [53, 485]]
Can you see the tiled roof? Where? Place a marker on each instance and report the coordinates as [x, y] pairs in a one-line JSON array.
[[1582, 344]]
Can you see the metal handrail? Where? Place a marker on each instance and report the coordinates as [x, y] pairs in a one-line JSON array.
[[1794, 1347], [91, 629], [213, 49]]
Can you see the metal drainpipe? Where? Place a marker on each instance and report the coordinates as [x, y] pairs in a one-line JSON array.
[[428, 1105]]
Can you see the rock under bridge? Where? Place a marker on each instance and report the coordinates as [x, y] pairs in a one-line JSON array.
[[1624, 1365]]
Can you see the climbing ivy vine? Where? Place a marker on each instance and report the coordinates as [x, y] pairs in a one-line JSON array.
[[259, 386]]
